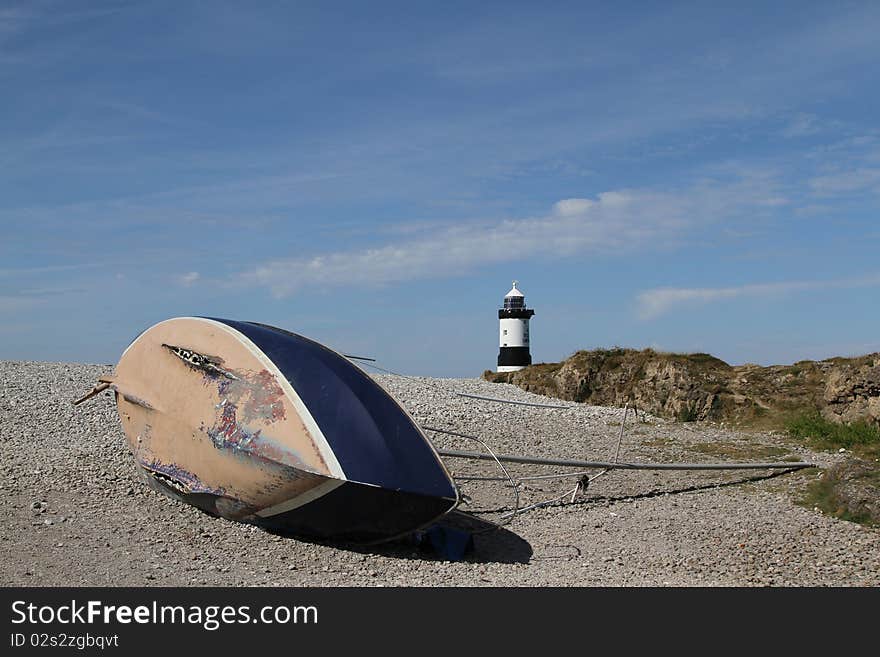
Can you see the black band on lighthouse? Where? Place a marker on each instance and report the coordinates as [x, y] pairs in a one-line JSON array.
[[515, 313], [518, 356]]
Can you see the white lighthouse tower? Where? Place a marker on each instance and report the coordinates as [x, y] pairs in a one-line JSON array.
[[513, 332]]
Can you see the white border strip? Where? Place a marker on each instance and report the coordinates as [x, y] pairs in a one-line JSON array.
[[301, 500]]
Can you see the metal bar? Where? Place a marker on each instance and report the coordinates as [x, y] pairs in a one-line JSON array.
[[560, 475], [574, 463], [620, 437], [537, 505], [359, 357], [100, 387], [508, 401]]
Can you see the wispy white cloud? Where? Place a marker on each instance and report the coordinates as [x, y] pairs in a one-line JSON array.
[[611, 222], [658, 301], [28, 298], [139, 112], [189, 279], [802, 125], [11, 303], [13, 20], [24, 271], [862, 178]]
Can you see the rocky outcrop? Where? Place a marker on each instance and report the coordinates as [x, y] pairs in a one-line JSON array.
[[702, 387], [852, 392]]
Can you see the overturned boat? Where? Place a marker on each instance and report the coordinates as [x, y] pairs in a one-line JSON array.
[[257, 424]]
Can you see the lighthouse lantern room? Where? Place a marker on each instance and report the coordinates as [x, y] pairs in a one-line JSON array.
[[513, 332]]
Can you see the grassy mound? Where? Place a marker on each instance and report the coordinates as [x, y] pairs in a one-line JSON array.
[[849, 490], [819, 433]]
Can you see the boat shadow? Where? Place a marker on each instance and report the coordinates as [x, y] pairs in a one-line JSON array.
[[458, 536], [589, 500]]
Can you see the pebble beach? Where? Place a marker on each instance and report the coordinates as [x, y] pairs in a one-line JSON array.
[[76, 512]]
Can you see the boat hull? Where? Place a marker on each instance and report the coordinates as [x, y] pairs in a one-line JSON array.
[[256, 424]]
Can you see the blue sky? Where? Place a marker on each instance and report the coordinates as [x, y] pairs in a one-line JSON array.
[[685, 176]]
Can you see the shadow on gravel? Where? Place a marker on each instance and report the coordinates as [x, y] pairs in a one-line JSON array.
[[491, 543], [682, 489]]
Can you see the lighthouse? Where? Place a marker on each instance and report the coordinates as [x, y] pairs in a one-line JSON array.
[[513, 332]]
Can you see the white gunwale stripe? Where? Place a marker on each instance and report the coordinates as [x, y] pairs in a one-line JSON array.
[[301, 500]]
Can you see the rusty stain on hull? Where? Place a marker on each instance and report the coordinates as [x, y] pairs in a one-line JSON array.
[[248, 398], [182, 480], [228, 432], [137, 400]]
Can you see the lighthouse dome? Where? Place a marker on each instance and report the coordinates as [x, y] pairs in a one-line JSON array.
[[514, 299], [514, 292]]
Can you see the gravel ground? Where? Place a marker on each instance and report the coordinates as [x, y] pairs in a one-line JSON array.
[[75, 511]]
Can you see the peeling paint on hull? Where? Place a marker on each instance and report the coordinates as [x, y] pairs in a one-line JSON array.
[[256, 424]]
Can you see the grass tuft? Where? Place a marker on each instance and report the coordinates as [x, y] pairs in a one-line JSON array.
[[823, 434], [829, 494], [744, 452], [688, 413], [848, 490]]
